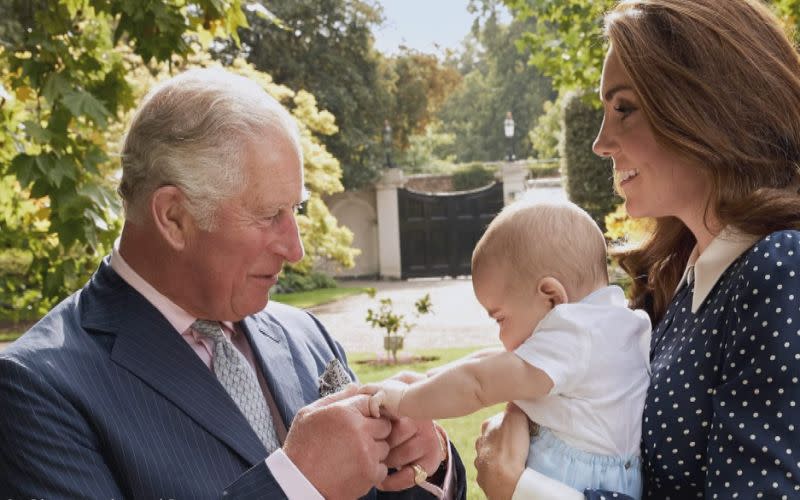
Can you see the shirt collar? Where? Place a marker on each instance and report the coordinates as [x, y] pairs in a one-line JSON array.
[[173, 313], [704, 270]]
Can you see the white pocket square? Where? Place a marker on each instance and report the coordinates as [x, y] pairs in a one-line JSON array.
[[333, 379]]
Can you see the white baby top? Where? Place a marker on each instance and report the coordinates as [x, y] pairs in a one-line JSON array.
[[596, 352]]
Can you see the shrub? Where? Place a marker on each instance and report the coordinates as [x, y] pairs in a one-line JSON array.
[[589, 179], [472, 176], [291, 281], [624, 230]]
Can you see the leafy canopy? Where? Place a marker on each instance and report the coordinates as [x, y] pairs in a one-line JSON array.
[[70, 73]]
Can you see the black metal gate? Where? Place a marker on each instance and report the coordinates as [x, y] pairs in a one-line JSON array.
[[439, 231]]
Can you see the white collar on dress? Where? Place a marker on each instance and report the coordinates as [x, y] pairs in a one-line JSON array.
[[705, 269]]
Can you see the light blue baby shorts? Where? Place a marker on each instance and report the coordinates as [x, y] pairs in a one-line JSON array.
[[556, 459]]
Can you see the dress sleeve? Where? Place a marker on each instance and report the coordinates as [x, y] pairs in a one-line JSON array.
[[560, 346], [533, 485], [754, 446]]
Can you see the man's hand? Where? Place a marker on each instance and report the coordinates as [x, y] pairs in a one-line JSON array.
[[502, 451], [337, 446], [420, 442]]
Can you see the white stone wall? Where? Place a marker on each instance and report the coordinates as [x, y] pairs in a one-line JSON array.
[[357, 211]]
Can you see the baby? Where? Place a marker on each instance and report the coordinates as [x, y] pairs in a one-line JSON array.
[[575, 358]]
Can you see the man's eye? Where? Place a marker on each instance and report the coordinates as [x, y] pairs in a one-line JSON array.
[[271, 216]]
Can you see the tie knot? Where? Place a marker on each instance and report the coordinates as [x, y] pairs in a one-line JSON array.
[[209, 329]]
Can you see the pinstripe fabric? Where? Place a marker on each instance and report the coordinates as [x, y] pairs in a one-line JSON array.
[[104, 399]]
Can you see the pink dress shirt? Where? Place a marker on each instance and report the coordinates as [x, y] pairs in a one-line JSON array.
[[287, 475]]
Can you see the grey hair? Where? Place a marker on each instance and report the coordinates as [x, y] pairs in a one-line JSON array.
[[192, 132]]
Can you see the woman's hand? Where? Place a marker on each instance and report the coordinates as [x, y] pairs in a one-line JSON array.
[[502, 450]]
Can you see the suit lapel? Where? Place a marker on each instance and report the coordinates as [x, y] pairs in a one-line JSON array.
[[150, 348], [270, 344]]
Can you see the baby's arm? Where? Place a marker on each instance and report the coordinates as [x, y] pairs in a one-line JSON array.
[[463, 388], [470, 357]]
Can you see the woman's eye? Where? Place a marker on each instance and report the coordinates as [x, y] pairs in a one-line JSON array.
[[624, 110]]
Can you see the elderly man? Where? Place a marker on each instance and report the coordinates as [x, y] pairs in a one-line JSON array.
[[167, 376]]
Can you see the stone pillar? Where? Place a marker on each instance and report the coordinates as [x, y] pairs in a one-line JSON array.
[[514, 175], [389, 223]]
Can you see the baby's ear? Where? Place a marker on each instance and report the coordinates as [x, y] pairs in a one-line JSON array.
[[553, 291]]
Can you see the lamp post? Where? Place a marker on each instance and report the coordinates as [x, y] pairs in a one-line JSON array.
[[387, 143], [508, 129]]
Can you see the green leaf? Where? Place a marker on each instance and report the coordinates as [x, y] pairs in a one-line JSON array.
[[60, 168], [94, 157], [82, 103], [54, 87], [23, 166], [37, 133], [97, 219]]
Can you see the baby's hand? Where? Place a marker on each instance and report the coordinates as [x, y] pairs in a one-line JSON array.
[[386, 395]]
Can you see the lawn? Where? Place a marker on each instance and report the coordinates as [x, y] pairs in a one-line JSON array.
[[462, 431], [9, 336], [304, 300]]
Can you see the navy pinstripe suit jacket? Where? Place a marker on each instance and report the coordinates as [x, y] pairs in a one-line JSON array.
[[103, 399]]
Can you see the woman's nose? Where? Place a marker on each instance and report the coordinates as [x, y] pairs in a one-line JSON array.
[[603, 146]]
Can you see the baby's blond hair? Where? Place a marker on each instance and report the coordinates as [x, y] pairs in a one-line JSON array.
[[531, 240]]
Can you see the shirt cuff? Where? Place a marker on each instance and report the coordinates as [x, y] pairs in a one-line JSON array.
[[293, 483], [533, 485], [449, 483]]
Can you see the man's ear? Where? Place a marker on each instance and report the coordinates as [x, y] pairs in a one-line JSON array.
[[552, 291], [170, 217]]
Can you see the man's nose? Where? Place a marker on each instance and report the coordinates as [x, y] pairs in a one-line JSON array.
[[289, 245]]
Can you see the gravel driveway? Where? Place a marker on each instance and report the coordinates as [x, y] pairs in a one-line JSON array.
[[457, 318]]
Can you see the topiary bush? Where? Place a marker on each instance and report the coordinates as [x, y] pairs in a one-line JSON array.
[[472, 176], [589, 178]]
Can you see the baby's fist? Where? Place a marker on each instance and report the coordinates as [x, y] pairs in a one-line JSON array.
[[386, 395]]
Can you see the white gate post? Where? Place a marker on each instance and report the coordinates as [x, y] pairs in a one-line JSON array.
[[389, 223], [514, 175]]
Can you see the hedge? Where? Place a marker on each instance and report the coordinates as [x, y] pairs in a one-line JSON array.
[[588, 178]]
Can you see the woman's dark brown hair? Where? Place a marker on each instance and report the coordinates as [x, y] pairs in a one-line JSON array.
[[719, 81]]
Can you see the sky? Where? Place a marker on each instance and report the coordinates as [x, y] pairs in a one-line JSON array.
[[421, 24]]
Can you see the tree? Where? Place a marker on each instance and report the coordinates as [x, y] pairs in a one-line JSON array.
[[69, 74], [325, 47], [419, 85], [498, 80], [566, 40]]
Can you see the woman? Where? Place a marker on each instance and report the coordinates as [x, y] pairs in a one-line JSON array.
[[702, 121]]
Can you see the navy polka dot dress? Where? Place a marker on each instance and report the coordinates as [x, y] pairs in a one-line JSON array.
[[723, 408]]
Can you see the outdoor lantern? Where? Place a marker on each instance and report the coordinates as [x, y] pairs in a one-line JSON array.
[[508, 128], [387, 142]]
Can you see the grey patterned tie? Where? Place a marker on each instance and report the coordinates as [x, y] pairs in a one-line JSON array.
[[239, 380]]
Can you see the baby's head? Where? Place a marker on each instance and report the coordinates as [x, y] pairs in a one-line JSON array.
[[533, 257]]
